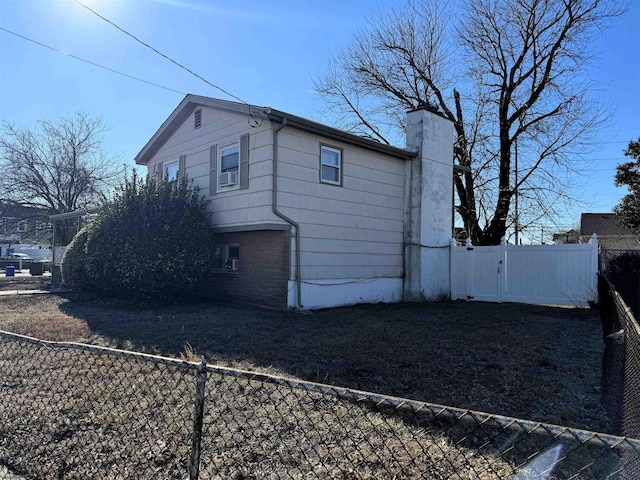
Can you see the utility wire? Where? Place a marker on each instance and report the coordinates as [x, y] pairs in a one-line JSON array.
[[161, 54], [90, 62]]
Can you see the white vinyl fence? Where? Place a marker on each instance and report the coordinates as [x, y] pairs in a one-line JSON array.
[[542, 274]]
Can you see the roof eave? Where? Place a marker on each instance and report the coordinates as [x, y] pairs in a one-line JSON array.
[[190, 102], [336, 134]]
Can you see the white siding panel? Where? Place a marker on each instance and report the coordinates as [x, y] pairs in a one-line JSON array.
[[238, 207], [361, 246], [349, 231], [351, 259], [370, 173], [358, 224], [321, 232], [298, 172], [359, 272], [380, 187], [323, 193], [320, 206], [301, 142], [325, 294], [195, 171], [242, 216], [227, 201]]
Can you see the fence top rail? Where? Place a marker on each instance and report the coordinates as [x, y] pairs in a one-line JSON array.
[[619, 301], [617, 298], [359, 396], [99, 349]]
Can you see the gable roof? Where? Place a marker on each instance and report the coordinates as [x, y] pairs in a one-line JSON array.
[[602, 224], [191, 102]]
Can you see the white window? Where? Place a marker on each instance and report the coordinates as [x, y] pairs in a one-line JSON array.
[[171, 170], [229, 168], [22, 226], [227, 258], [197, 119], [330, 165]]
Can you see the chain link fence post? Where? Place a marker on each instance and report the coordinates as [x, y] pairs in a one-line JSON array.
[[198, 416]]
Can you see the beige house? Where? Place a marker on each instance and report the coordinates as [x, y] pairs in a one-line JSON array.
[[309, 216], [611, 234]]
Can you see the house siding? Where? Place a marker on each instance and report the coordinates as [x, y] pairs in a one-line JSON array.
[[348, 232], [614, 242], [234, 207], [351, 236], [262, 276]]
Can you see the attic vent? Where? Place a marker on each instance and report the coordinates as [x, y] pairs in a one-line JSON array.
[[197, 119]]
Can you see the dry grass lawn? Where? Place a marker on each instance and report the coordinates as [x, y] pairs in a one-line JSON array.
[[534, 362]]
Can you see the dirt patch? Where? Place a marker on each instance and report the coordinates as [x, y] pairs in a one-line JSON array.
[[534, 362]]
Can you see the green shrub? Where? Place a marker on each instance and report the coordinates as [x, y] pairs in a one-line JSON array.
[[151, 241], [74, 273]]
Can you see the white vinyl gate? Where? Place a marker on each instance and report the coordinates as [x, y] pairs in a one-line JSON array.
[[543, 274]]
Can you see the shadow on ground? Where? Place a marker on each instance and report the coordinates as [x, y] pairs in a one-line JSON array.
[[536, 362]]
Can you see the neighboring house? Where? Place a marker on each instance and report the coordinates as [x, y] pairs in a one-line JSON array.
[[611, 234], [309, 216], [21, 224], [569, 237]]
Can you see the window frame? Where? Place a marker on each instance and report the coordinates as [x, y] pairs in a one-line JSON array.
[[219, 172], [165, 170], [332, 149], [225, 257]]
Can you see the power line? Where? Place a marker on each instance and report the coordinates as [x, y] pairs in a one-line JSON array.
[[606, 159], [161, 54], [90, 62]]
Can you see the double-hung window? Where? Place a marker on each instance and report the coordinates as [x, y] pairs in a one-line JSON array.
[[229, 167], [171, 170], [330, 165]]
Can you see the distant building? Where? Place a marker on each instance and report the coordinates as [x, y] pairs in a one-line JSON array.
[[24, 225], [611, 233], [571, 236]]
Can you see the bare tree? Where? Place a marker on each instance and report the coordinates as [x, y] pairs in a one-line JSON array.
[[58, 168], [510, 76]]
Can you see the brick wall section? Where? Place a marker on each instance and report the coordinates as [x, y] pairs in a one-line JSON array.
[[263, 270]]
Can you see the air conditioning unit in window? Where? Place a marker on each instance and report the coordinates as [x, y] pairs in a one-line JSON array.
[[232, 265], [228, 178]]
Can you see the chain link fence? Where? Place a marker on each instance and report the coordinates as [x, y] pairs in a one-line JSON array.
[[621, 361], [622, 269], [78, 411]]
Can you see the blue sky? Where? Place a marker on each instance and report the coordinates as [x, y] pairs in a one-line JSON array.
[[267, 53]]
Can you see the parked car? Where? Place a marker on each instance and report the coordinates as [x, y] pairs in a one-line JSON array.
[[18, 256], [15, 259]]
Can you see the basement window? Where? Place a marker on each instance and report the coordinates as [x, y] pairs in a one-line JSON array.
[[227, 258]]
